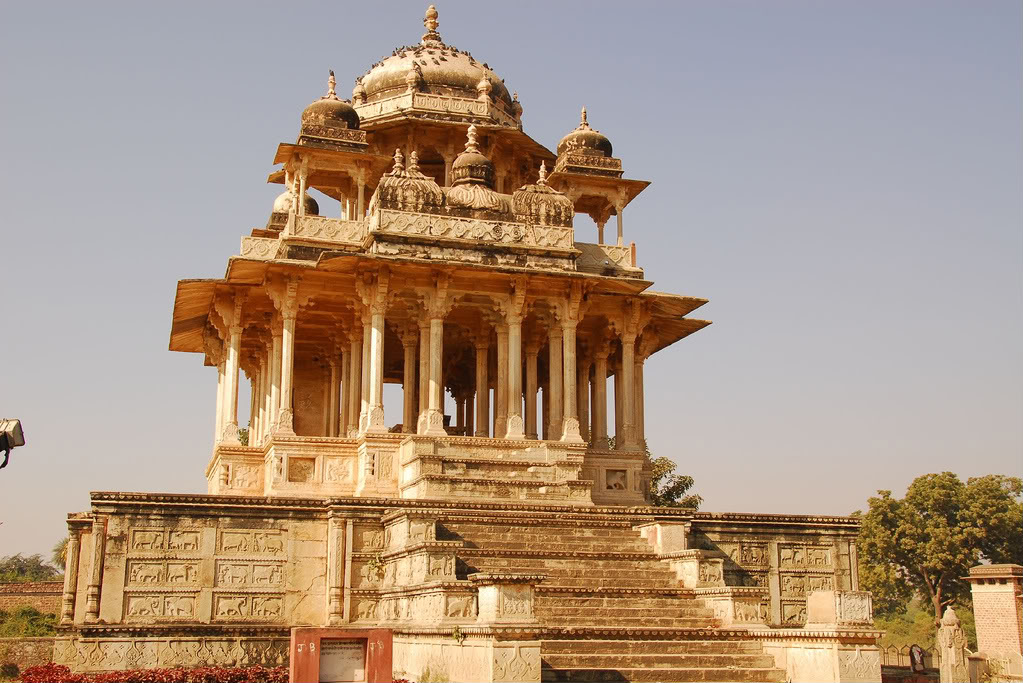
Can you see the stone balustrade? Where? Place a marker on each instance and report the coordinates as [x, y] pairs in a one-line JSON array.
[[600, 257], [432, 226]]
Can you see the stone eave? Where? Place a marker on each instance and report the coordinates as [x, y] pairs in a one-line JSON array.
[[563, 180], [733, 520], [192, 302]]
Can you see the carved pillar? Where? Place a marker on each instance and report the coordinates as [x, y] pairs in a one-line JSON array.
[[570, 428], [332, 396], [335, 568], [435, 412], [600, 231], [600, 396], [264, 394], [67, 611], [354, 376], [409, 339], [639, 408], [276, 356], [367, 367], [531, 353], [620, 208], [515, 427], [482, 385], [619, 409], [303, 178], [469, 400], [545, 410], [377, 419], [346, 387], [360, 181], [218, 428], [629, 386], [583, 397], [231, 384], [501, 390], [92, 595], [556, 402], [460, 413], [424, 373], [286, 422]]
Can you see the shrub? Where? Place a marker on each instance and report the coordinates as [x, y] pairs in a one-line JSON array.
[[9, 670]]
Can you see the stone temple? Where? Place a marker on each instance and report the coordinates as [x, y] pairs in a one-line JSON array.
[[511, 540]]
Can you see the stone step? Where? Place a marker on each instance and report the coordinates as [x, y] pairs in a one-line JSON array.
[[546, 601], [585, 545], [645, 621], [658, 674], [672, 661], [643, 647], [538, 561], [608, 614]]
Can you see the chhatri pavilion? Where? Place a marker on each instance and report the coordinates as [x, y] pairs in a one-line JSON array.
[[442, 258]]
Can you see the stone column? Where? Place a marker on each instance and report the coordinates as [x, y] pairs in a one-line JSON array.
[[354, 376], [515, 427], [639, 409], [545, 411], [424, 374], [376, 420], [583, 397], [361, 184], [629, 386], [482, 386], [303, 178], [287, 416], [599, 439], [367, 368], [67, 611], [460, 413], [556, 402], [231, 385], [92, 596], [570, 428], [334, 412], [264, 395], [346, 386], [218, 428], [600, 231], [531, 353], [409, 339], [253, 402], [501, 389], [619, 409], [620, 208], [469, 400], [435, 412], [276, 356]]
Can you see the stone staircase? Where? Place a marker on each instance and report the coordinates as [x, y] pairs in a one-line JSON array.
[[609, 609]]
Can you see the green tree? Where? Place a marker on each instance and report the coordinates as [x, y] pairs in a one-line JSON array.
[[668, 489], [59, 556], [923, 544], [20, 569]]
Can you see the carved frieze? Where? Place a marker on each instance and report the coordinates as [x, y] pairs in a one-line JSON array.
[[151, 606], [233, 573], [804, 556], [261, 248], [250, 542], [468, 229], [163, 541], [330, 229], [248, 607]]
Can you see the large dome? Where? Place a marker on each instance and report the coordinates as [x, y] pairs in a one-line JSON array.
[[435, 68]]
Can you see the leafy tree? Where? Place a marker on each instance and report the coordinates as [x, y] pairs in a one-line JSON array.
[[243, 436], [59, 556], [923, 544], [21, 569], [25, 621], [668, 489]]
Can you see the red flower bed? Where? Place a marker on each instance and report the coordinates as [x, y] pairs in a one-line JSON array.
[[57, 673]]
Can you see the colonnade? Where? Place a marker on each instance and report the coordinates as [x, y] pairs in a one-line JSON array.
[[568, 404]]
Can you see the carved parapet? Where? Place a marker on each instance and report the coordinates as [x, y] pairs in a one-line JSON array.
[[260, 248], [408, 529], [598, 258], [332, 230], [471, 232], [839, 609], [436, 106], [698, 568]]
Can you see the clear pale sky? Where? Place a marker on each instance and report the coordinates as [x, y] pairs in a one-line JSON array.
[[841, 180]]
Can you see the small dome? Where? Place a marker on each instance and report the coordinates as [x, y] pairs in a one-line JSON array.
[[471, 166], [331, 111], [283, 204], [585, 140]]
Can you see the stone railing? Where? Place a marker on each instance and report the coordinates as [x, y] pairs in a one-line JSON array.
[[444, 104], [262, 248], [601, 256], [336, 230], [471, 230]]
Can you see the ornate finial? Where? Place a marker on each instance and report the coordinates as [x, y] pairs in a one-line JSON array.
[[399, 167], [331, 84], [542, 180], [413, 163], [583, 123], [470, 142], [430, 22], [484, 87]]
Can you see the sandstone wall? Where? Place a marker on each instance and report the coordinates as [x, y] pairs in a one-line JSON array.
[[26, 652], [43, 595]]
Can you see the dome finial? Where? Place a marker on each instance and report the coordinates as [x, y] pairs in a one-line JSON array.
[[430, 22], [399, 167], [583, 123], [470, 142], [542, 180], [331, 85]]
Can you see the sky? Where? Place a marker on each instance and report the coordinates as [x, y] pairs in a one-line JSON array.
[[841, 180]]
